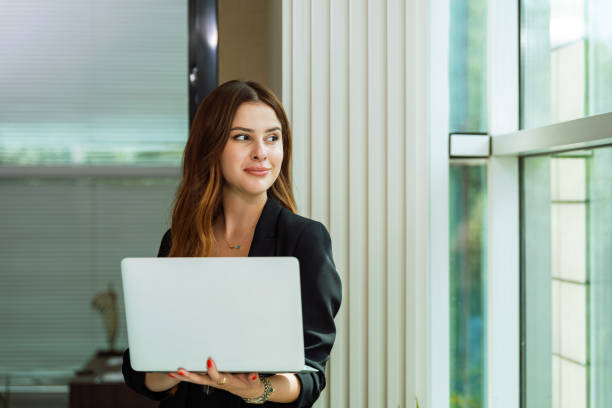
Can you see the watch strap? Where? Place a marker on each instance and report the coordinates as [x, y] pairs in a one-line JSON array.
[[268, 390]]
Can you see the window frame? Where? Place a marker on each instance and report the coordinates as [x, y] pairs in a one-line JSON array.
[[438, 212]]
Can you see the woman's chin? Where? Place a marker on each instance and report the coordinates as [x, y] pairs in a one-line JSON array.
[[252, 191], [250, 188]]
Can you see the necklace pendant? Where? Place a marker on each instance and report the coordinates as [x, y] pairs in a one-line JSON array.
[[235, 247]]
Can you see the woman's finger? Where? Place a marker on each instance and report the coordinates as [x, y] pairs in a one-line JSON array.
[[212, 369], [219, 379], [196, 378]]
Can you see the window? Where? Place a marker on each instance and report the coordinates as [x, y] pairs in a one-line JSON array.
[[467, 205], [468, 66], [63, 240], [84, 85], [566, 60], [566, 241], [566, 74], [468, 215], [93, 83]]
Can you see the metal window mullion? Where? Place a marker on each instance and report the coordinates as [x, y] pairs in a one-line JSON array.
[[503, 271], [585, 133]]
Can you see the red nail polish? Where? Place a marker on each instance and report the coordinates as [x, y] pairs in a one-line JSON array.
[[170, 375], [209, 363], [254, 377], [181, 373]]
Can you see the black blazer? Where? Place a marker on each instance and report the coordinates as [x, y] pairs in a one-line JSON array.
[[278, 232]]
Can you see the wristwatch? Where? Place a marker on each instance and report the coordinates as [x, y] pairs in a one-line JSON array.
[[268, 390]]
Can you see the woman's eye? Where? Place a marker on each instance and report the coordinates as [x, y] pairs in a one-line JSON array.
[[273, 138], [241, 137]]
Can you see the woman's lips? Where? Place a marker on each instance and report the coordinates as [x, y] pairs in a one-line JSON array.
[[257, 171]]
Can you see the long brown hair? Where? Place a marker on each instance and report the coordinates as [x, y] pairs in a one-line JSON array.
[[199, 197]]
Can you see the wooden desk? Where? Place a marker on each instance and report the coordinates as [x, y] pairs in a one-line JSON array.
[[98, 385]]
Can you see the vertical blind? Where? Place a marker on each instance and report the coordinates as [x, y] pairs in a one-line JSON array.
[[62, 242], [355, 86], [93, 82]]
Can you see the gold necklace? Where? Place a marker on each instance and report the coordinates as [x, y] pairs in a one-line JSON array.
[[230, 246]]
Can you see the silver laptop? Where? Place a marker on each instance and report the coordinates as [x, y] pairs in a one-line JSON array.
[[245, 313]]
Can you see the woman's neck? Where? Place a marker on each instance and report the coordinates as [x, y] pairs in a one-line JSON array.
[[240, 213]]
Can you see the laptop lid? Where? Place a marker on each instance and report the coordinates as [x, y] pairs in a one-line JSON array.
[[243, 312]]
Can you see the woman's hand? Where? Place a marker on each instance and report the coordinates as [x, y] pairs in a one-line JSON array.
[[241, 384]]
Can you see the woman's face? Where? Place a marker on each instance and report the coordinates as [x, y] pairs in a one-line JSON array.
[[253, 155]]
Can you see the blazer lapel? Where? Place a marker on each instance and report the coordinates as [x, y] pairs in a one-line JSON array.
[[264, 237]]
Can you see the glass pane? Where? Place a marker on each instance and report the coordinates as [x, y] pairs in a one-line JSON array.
[[566, 60], [567, 279], [468, 66], [468, 244], [62, 243], [93, 82]]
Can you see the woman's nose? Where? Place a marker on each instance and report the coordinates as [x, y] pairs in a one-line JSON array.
[[259, 151]]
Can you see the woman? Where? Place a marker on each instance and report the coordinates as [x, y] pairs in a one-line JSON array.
[[236, 199]]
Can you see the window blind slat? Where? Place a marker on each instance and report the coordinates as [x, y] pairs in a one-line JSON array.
[[90, 82], [62, 242]]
